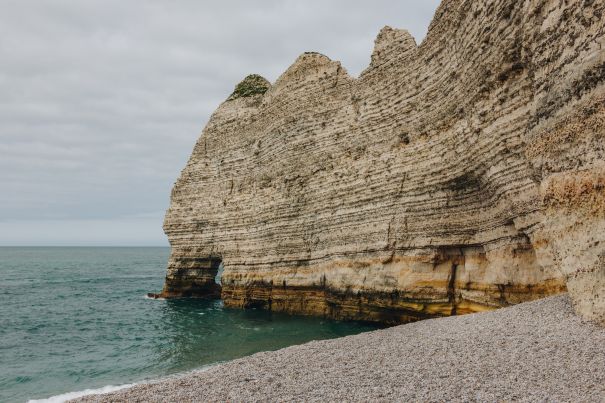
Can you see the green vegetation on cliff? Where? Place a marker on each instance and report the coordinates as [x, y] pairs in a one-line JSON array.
[[251, 85]]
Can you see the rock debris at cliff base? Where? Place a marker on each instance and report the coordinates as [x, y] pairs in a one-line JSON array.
[[535, 351]]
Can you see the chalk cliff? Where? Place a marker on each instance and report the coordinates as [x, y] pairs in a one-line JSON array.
[[457, 176]]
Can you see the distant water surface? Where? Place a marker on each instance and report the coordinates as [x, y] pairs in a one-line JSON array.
[[76, 318]]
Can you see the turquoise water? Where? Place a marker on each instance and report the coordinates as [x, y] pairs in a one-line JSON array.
[[76, 318]]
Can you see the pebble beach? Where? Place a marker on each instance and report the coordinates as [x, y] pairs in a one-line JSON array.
[[536, 351]]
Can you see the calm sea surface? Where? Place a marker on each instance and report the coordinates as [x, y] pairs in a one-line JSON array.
[[76, 318]]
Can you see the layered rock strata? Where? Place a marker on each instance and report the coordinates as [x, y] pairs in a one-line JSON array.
[[461, 175]]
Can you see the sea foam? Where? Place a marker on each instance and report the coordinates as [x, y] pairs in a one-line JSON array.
[[73, 395]]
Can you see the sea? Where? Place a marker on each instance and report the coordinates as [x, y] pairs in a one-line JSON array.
[[76, 320]]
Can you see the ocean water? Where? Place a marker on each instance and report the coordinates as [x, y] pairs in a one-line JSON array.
[[73, 319]]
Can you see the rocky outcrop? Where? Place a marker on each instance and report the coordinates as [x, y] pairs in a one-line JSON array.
[[457, 176]]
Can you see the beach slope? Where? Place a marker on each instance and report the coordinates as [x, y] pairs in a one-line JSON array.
[[536, 351]]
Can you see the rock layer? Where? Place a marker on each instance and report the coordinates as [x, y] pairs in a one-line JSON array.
[[457, 176]]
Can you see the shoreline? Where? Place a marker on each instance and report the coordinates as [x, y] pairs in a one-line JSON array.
[[533, 351], [103, 390], [64, 397]]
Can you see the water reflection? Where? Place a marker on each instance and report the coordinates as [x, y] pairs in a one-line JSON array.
[[202, 332]]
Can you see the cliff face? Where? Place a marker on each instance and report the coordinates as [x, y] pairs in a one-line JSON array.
[[460, 175]]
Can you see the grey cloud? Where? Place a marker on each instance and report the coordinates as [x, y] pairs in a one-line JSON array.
[[102, 101]]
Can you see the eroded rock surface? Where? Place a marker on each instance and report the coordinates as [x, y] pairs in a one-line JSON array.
[[457, 176]]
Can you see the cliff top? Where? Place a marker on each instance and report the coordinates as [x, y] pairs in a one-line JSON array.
[[251, 85]]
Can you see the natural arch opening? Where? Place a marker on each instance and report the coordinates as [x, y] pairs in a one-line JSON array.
[[219, 274]]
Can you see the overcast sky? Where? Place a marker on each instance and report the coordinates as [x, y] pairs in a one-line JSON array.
[[102, 101]]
